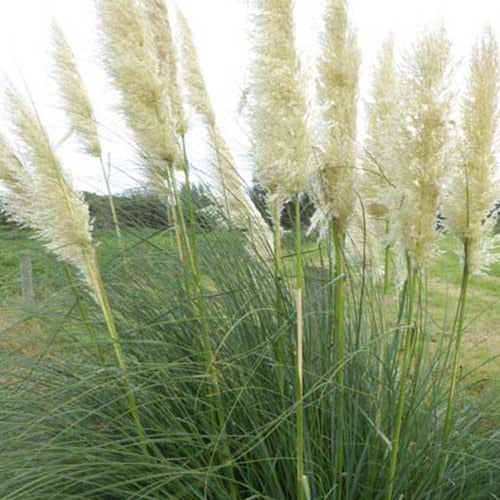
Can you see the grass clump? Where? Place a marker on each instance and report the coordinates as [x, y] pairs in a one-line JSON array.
[[67, 430], [210, 366]]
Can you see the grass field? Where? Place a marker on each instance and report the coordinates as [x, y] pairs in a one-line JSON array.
[[50, 341], [481, 341]]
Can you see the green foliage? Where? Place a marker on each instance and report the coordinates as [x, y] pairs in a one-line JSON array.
[[143, 209], [140, 208], [260, 198], [67, 433], [137, 210]]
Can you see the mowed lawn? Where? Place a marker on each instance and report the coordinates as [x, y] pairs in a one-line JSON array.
[[481, 341]]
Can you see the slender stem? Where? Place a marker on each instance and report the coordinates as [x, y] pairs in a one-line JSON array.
[[278, 264], [218, 419], [102, 299], [210, 357], [114, 215], [339, 290], [300, 353], [331, 293], [419, 339], [383, 341], [387, 260], [454, 374], [181, 236], [221, 172], [382, 350], [83, 312], [406, 363], [172, 205], [363, 280], [403, 299]]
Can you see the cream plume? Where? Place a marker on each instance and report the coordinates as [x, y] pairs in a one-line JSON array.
[[337, 96], [18, 180], [276, 100], [158, 21], [132, 48], [423, 143], [239, 207], [380, 160], [473, 190], [192, 74], [72, 91], [52, 207]]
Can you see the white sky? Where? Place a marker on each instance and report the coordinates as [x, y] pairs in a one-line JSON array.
[[220, 29]]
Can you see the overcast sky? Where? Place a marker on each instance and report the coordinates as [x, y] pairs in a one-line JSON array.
[[220, 28]]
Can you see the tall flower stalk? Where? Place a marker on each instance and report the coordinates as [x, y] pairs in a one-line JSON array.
[[239, 209], [76, 104], [42, 198], [472, 193], [136, 45], [422, 143], [379, 165], [277, 119], [142, 63], [132, 36], [333, 184], [380, 157]]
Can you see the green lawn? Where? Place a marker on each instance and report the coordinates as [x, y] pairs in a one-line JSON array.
[[481, 341]]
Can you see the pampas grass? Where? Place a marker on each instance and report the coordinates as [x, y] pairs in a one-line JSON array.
[[53, 208], [276, 101], [333, 183], [133, 61], [76, 104], [380, 158], [473, 190], [277, 119], [243, 380], [423, 141], [158, 22], [137, 48], [59, 217], [337, 95], [240, 210], [474, 174]]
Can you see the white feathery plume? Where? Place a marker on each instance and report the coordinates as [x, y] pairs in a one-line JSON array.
[[18, 180], [276, 101], [380, 159], [239, 207], [131, 48], [192, 74], [281, 145], [76, 102], [158, 19], [59, 216], [473, 189], [423, 141], [333, 185], [52, 207]]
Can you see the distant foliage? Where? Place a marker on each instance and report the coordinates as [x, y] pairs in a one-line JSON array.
[[260, 198], [144, 209], [141, 208]]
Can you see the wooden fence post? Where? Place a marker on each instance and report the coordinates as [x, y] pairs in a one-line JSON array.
[[27, 287]]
